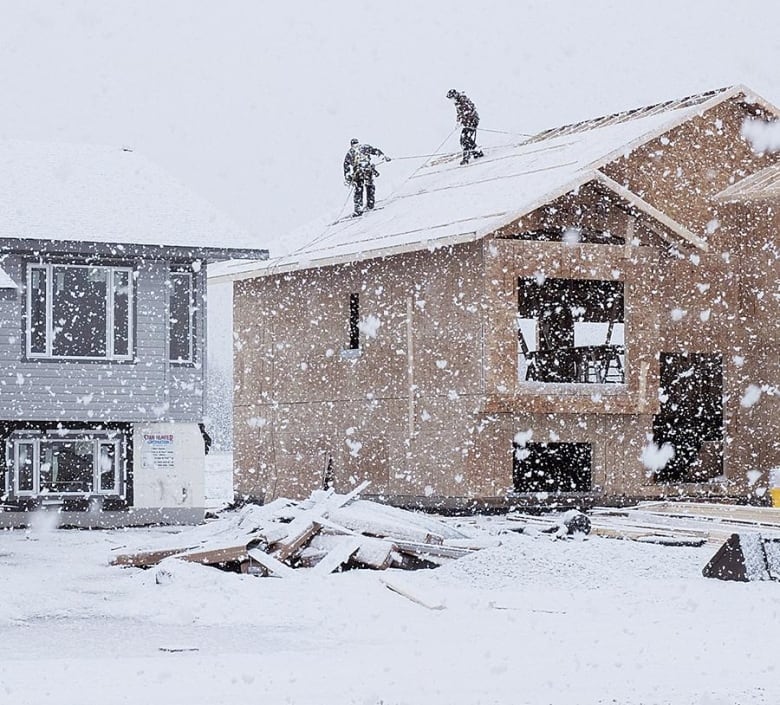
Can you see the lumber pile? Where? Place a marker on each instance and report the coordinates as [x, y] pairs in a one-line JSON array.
[[326, 533], [666, 523]]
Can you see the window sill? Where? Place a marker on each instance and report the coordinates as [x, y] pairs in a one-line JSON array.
[[81, 360]]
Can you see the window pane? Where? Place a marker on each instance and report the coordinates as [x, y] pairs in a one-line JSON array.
[[24, 464], [121, 313], [67, 466], [181, 317], [37, 298], [79, 311], [107, 467]]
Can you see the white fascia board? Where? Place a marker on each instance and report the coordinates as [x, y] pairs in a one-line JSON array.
[[317, 262], [653, 212]]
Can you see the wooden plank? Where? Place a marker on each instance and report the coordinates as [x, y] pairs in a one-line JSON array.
[[644, 536], [300, 537], [339, 555], [759, 516], [146, 559], [215, 556], [415, 594], [375, 553], [271, 564], [383, 528], [424, 550], [343, 499]]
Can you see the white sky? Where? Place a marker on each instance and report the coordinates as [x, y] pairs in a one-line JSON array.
[[253, 103]]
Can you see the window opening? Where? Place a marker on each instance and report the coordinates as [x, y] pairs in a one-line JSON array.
[[552, 467], [690, 416], [181, 317], [354, 321], [571, 331]]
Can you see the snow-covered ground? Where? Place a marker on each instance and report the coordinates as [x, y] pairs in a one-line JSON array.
[[533, 620]]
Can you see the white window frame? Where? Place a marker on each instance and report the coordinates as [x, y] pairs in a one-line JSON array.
[[36, 464], [191, 318], [98, 439], [50, 268]]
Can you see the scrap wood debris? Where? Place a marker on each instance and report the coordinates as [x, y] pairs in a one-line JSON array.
[[326, 532], [665, 523], [329, 532]]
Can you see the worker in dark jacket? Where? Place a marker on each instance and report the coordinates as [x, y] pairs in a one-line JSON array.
[[359, 172], [468, 117]]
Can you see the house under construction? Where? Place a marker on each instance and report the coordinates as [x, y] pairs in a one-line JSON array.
[[591, 313]]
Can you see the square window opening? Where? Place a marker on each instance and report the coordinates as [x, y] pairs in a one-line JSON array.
[[552, 467], [571, 331]]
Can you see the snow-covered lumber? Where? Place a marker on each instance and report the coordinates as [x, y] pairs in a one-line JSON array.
[[146, 559], [218, 554], [269, 563], [346, 547], [413, 592], [428, 550]]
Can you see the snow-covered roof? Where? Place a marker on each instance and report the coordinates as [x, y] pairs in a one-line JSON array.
[[443, 203], [91, 193], [5, 281]]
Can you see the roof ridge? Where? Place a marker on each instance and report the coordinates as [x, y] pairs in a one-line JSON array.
[[626, 115]]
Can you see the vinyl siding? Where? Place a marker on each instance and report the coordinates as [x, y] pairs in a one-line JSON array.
[[147, 389]]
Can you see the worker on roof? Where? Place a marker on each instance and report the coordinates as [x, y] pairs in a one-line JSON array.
[[468, 117], [359, 172]]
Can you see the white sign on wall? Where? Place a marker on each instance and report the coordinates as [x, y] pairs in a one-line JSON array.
[[157, 451]]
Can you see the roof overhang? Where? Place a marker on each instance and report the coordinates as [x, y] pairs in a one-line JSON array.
[[764, 185], [236, 271], [27, 246], [5, 281]]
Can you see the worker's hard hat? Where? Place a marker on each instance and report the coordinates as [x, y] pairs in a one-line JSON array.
[[451, 93], [354, 141]]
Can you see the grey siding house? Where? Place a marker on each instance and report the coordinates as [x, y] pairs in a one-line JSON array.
[[103, 261]]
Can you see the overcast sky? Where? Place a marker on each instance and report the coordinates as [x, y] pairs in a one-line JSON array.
[[253, 103]]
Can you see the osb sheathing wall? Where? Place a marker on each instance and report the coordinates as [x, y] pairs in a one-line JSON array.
[[399, 414], [725, 300], [431, 406]]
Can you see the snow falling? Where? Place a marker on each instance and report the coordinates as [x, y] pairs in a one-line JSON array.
[[488, 415]]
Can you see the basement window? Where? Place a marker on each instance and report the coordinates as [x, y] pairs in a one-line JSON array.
[[552, 467], [64, 463], [571, 331]]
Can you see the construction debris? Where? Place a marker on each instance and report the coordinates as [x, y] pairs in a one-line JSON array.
[[327, 532], [330, 532], [690, 524]]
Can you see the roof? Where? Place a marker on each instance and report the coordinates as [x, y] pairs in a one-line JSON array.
[[443, 203], [90, 193], [5, 281], [764, 185]]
